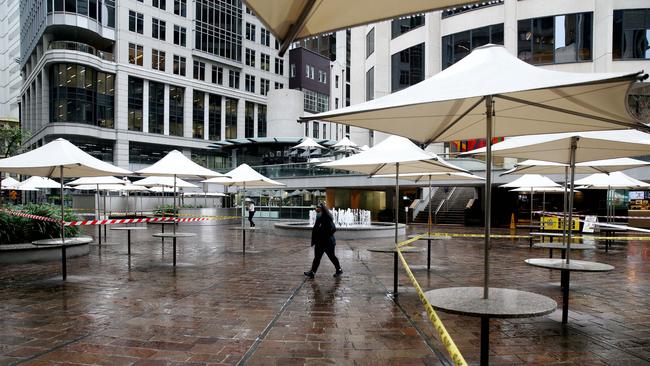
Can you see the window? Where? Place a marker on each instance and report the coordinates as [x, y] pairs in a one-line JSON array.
[[407, 67], [370, 42], [631, 35], [292, 70], [110, 13], [198, 114], [458, 45], [156, 107], [309, 71], [403, 25], [555, 39], [158, 29], [277, 45], [370, 84], [158, 60], [214, 117], [265, 85], [199, 70], [135, 54], [265, 62], [279, 66], [231, 118], [180, 7], [160, 4], [322, 76], [250, 32], [136, 22], [278, 85], [265, 37], [176, 99], [324, 131], [250, 57], [249, 83], [249, 120], [81, 94], [179, 65], [314, 130], [233, 79], [180, 35], [261, 120], [135, 99], [218, 28], [217, 75], [315, 102], [248, 11], [336, 81]]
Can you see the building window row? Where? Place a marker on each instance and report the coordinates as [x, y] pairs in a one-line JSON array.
[[458, 45], [631, 34], [218, 28], [407, 67], [404, 25], [89, 8]]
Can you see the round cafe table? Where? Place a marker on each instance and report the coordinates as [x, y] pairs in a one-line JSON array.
[[501, 303], [574, 265], [563, 247], [428, 238], [174, 235], [162, 226], [392, 249], [128, 230]]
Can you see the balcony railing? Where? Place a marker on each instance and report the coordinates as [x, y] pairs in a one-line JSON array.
[[81, 47]]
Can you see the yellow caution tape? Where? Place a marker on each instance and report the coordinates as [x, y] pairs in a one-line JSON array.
[[514, 236], [445, 338]]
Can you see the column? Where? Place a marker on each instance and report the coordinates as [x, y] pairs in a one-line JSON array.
[[255, 120], [206, 115], [145, 106], [223, 117], [187, 112], [166, 111], [241, 114], [121, 101], [510, 26], [45, 101]]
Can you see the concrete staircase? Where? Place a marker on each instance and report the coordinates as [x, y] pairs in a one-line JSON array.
[[453, 208]]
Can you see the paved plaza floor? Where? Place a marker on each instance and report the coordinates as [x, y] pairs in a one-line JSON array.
[[218, 307]]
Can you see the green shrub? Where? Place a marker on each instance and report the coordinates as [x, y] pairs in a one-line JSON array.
[[16, 229], [165, 210]]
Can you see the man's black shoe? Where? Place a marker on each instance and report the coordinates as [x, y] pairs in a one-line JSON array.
[[309, 274], [338, 273]]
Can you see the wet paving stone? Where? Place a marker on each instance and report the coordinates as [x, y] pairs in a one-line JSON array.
[[218, 307]]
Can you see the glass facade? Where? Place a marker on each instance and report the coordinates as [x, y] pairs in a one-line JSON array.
[[631, 34], [555, 39], [231, 118], [324, 45], [81, 94], [156, 107], [261, 120], [90, 8], [249, 120], [198, 113], [211, 159], [218, 28], [407, 67], [458, 45], [403, 25], [136, 96], [214, 117], [315, 101], [146, 154], [176, 99], [97, 148]]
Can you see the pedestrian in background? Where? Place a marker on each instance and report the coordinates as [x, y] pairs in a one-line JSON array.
[[323, 241], [251, 212]]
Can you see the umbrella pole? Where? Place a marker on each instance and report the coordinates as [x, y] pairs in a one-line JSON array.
[[243, 228], [564, 203], [543, 202], [531, 205], [429, 205], [99, 226], [488, 195], [396, 226], [175, 213], [574, 144], [63, 254]]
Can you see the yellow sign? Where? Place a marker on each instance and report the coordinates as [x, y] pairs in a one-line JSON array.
[[556, 223]]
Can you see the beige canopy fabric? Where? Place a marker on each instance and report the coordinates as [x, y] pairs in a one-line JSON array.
[[451, 105], [289, 20], [97, 180], [596, 166]]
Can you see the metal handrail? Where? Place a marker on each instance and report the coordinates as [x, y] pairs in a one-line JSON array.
[[81, 47], [446, 199], [424, 202]]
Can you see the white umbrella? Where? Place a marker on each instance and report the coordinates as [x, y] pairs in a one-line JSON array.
[[618, 180], [69, 160], [289, 20], [531, 182], [364, 148], [597, 166], [96, 180], [345, 144], [396, 155], [559, 189], [243, 176], [177, 165], [9, 183], [164, 182], [308, 144], [37, 182]]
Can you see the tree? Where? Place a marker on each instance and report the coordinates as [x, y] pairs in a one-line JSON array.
[[11, 139]]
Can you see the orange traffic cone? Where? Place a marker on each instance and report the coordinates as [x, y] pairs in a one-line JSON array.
[[513, 225]]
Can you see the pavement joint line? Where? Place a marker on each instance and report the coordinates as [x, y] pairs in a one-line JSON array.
[[251, 350], [608, 344], [441, 356]]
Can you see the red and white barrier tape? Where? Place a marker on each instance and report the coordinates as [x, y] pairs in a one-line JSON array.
[[117, 221], [30, 216]]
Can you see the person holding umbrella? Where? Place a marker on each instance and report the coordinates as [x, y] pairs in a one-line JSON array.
[[323, 241], [251, 211]]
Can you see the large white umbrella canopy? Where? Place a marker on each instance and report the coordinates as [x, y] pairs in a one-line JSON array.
[[531, 181], [47, 160], [596, 166], [163, 182], [289, 20], [9, 183], [178, 165], [383, 158], [36, 182], [244, 176], [345, 143], [451, 105], [96, 180], [559, 189], [63, 159], [110, 187], [618, 180], [308, 144]]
